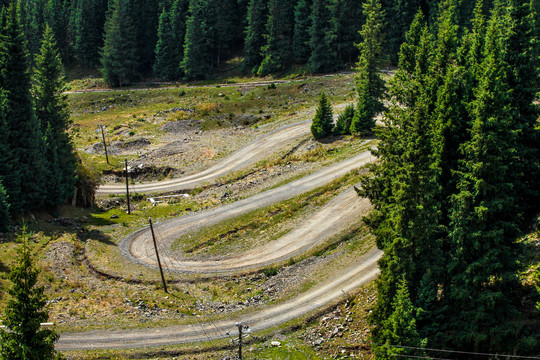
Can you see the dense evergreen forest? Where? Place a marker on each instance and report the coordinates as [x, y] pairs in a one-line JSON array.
[[457, 184], [188, 39]]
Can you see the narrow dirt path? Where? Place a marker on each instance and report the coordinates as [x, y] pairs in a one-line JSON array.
[[243, 158], [139, 247], [360, 273], [178, 85]]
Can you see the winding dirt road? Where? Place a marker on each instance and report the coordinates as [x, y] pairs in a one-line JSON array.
[[248, 155], [360, 273], [139, 247], [319, 227]]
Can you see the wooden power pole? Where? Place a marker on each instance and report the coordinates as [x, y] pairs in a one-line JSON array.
[[104, 144], [157, 255], [240, 327], [127, 189]]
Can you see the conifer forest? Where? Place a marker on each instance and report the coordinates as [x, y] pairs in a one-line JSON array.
[[331, 179]]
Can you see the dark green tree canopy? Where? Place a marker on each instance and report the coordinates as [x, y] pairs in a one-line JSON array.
[[53, 114], [322, 40], [25, 311], [23, 129], [369, 84], [256, 28], [323, 122], [119, 55]]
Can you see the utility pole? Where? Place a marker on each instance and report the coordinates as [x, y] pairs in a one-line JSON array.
[[157, 255], [127, 189], [104, 144], [240, 328]]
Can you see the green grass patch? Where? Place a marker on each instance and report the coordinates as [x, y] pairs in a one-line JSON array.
[[226, 235]]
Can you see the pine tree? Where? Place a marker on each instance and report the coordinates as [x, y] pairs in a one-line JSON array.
[[226, 19], [179, 14], [302, 25], [25, 311], [4, 209], [347, 20], [369, 85], [197, 62], [53, 114], [520, 55], [485, 214], [400, 333], [535, 9], [8, 166], [278, 52], [322, 38], [57, 16], [323, 123], [405, 193], [402, 14], [256, 28], [452, 87], [144, 16], [343, 123], [26, 189], [31, 14], [88, 21], [119, 54], [167, 60]]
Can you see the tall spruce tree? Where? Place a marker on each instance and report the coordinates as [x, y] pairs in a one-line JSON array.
[[9, 172], [535, 9], [369, 84], [179, 14], [343, 123], [302, 26], [322, 40], [26, 188], [167, 59], [144, 16], [227, 19], [402, 14], [6, 166], [520, 55], [256, 28], [53, 114], [348, 20], [197, 62], [119, 54], [88, 21], [31, 13], [452, 92], [484, 215], [488, 208], [323, 122], [278, 52], [25, 311], [400, 332], [57, 16], [405, 192]]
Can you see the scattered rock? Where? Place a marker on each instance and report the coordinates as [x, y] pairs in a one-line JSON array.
[[114, 216], [182, 126]]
